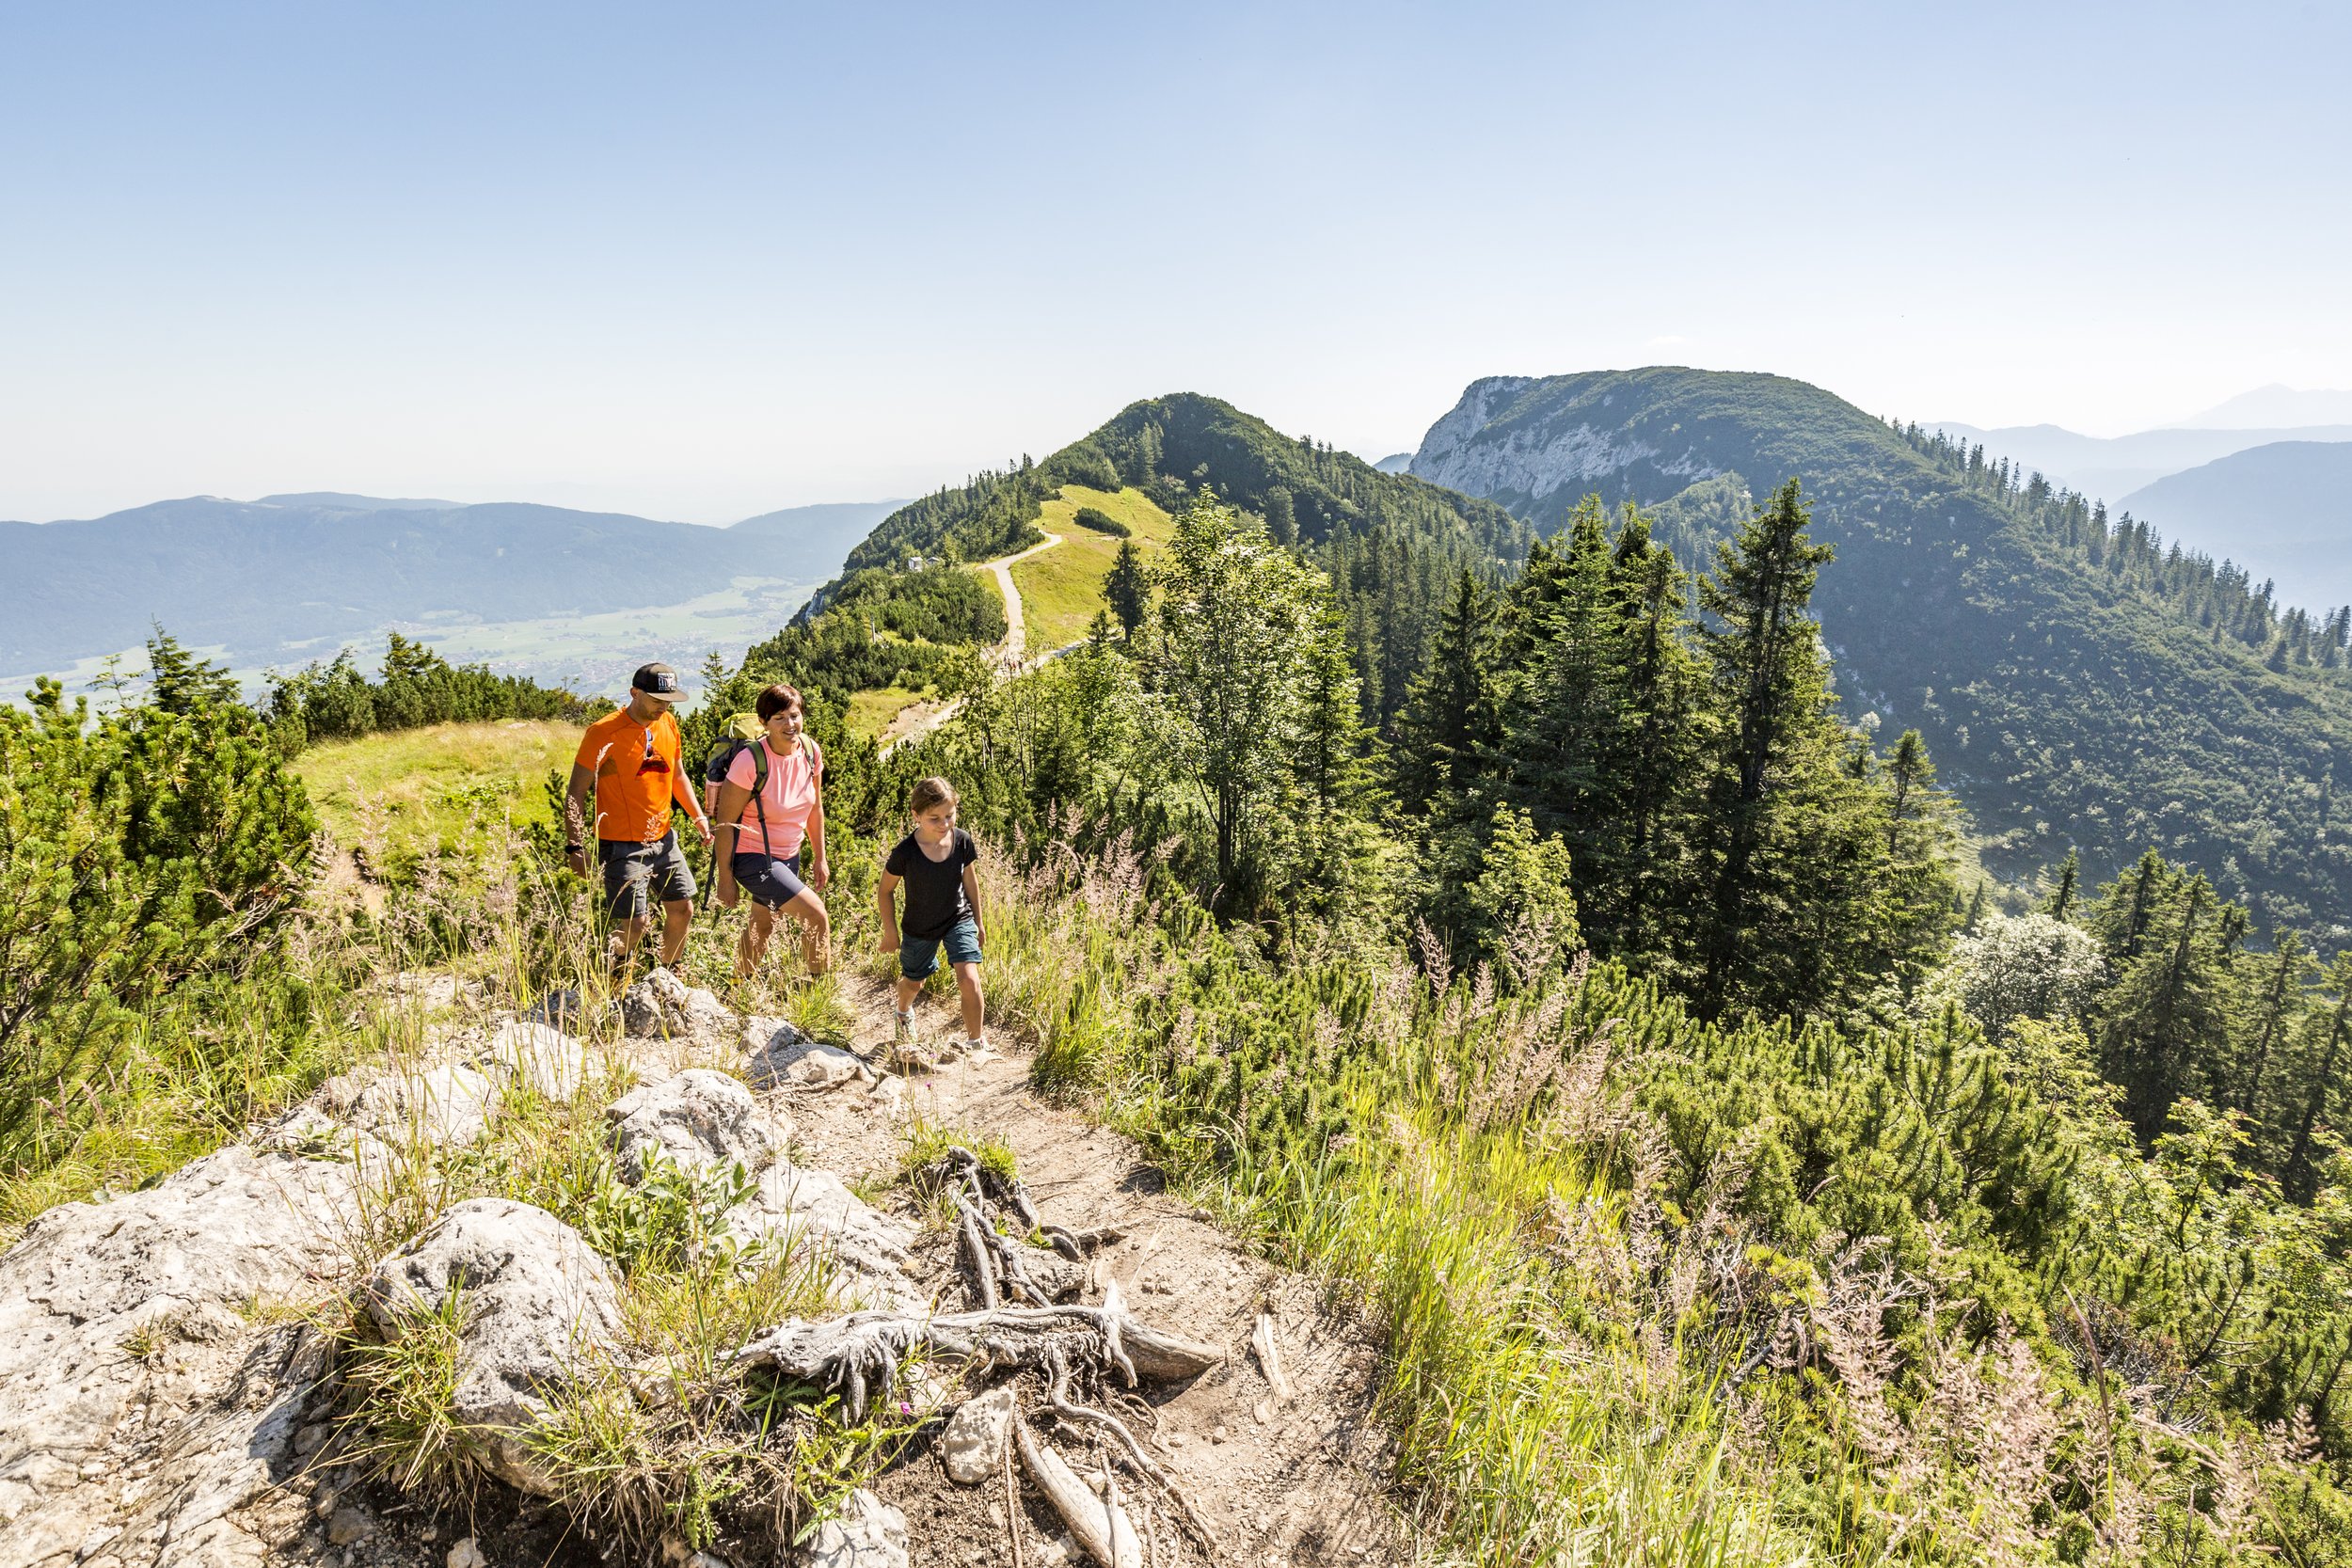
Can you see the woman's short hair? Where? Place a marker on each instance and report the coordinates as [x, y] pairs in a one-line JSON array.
[[928, 793], [777, 699]]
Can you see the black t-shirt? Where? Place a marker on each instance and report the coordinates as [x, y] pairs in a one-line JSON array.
[[935, 900]]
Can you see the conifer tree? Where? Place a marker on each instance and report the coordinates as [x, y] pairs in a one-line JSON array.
[[1657, 742], [2267, 1013], [2326, 1034], [1561, 716], [2062, 902], [1770, 689], [2167, 1007], [1127, 589], [180, 681], [1450, 729]]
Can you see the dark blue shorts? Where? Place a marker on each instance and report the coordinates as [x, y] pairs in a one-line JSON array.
[[639, 876], [768, 881], [920, 955]]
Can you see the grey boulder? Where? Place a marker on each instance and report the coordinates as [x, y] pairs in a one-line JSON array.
[[537, 1305]]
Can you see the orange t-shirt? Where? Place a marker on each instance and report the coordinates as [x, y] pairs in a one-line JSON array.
[[636, 767]]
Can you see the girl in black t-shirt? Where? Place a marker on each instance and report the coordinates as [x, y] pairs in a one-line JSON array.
[[943, 907]]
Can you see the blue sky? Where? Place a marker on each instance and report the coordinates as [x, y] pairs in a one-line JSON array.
[[701, 260]]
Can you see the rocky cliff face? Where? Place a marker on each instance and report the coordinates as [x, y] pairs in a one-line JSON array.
[[1516, 440]]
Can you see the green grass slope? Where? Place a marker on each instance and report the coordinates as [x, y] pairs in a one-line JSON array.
[[1061, 589], [413, 790], [2077, 685]]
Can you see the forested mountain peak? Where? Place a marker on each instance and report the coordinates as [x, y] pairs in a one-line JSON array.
[[1389, 541], [2082, 683]]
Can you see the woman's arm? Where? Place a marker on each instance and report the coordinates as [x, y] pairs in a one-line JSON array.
[[886, 909], [818, 875], [972, 895], [733, 796]]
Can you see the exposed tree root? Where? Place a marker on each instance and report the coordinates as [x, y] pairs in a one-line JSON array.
[[1097, 1524], [859, 1355]]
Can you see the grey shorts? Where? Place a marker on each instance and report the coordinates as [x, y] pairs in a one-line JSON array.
[[639, 876]]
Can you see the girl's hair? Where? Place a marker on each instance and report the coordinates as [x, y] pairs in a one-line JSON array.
[[777, 699], [929, 793]]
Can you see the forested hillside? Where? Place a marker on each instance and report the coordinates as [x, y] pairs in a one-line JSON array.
[[1389, 542], [2081, 684]]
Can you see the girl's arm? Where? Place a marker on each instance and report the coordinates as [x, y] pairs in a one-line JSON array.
[[972, 896], [887, 909]]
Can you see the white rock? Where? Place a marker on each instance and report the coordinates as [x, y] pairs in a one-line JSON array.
[[466, 1554], [698, 1118], [538, 1303], [867, 1533], [558, 1009], [79, 1416], [803, 1207], [765, 1035], [446, 1105], [801, 1063], [549, 1063], [972, 1446]]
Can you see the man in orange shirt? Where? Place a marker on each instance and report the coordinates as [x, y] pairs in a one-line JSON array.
[[630, 761]]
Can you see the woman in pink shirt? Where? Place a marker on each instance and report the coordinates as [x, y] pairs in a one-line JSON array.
[[762, 827]]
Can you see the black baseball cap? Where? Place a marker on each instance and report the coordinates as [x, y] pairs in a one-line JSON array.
[[656, 680]]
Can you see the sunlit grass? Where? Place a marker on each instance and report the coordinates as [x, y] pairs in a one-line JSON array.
[[425, 785], [1062, 588]]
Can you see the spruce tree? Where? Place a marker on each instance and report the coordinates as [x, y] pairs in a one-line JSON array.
[[1765, 931], [2326, 1034], [2267, 1013], [1659, 737], [2061, 901], [180, 681], [1127, 589], [1450, 729], [2167, 1012]]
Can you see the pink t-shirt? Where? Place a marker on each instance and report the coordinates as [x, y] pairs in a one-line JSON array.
[[790, 796]]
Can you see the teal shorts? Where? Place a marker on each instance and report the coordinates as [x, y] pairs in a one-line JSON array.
[[920, 955]]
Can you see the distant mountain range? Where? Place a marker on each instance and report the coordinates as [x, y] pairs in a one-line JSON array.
[[2113, 467], [292, 576], [2281, 511], [2275, 406]]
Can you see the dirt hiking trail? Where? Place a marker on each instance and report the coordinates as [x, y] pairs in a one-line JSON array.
[[1301, 1480], [918, 719]]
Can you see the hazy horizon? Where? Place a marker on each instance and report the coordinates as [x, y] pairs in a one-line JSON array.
[[704, 266]]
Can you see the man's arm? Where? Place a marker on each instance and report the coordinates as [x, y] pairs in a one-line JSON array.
[[683, 793], [576, 818]]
